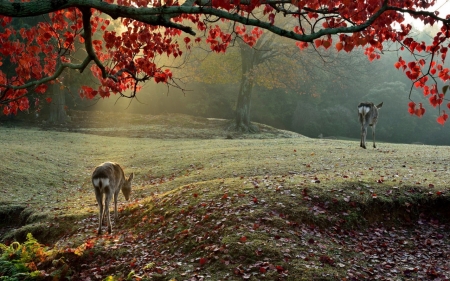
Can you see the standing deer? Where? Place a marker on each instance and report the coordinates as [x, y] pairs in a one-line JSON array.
[[109, 179], [368, 116]]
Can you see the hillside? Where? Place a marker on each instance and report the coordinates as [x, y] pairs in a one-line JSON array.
[[208, 205]]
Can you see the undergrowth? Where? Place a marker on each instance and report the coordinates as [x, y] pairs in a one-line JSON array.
[[23, 261]]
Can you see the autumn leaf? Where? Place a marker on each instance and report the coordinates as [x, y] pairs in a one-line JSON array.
[[443, 118], [318, 43], [203, 261], [279, 268]]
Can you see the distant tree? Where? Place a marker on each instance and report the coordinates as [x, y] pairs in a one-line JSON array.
[[57, 113], [269, 65], [125, 58]]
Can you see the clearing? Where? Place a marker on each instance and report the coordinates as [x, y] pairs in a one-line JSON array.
[[214, 205]]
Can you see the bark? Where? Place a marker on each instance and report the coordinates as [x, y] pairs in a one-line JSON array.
[[251, 58], [242, 113], [243, 104], [161, 16], [58, 114]]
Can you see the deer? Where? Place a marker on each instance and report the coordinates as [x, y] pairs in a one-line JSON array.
[[368, 116], [108, 179]]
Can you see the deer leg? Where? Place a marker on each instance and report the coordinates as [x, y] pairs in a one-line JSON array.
[[115, 207], [108, 216], [363, 136], [373, 134], [361, 141], [99, 197]]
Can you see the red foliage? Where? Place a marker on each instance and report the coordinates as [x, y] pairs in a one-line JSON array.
[[443, 118], [416, 111]]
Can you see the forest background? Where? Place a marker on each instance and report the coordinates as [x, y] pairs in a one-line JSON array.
[[316, 95]]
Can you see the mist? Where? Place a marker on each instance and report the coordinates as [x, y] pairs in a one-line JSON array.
[[309, 92]]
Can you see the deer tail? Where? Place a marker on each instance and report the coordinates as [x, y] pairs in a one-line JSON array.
[[100, 183], [363, 110]]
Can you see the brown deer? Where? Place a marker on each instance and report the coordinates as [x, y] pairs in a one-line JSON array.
[[368, 116], [109, 179]]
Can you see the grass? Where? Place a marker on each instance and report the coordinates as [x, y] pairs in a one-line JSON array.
[[263, 206]]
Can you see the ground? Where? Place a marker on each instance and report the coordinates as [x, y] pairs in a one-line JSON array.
[[208, 204]]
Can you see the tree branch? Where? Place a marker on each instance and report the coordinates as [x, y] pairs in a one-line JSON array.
[[161, 15]]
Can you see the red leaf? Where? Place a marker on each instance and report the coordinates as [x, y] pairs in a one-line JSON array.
[[302, 45], [272, 18], [441, 120], [326, 259], [279, 268], [420, 111], [41, 89], [243, 239], [318, 42], [348, 47], [203, 261], [305, 192], [326, 44]]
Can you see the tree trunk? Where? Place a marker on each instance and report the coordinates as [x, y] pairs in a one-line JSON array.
[[243, 106], [58, 113], [242, 114]]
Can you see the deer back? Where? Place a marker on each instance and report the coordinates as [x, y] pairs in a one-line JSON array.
[[368, 112], [108, 177]]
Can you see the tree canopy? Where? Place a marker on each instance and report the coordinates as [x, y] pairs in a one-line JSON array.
[[123, 58]]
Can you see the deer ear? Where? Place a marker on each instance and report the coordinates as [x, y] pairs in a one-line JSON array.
[[380, 105], [131, 177]]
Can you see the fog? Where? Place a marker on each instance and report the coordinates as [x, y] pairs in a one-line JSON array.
[[314, 94]]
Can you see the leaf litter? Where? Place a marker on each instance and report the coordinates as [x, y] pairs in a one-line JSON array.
[[259, 209]]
